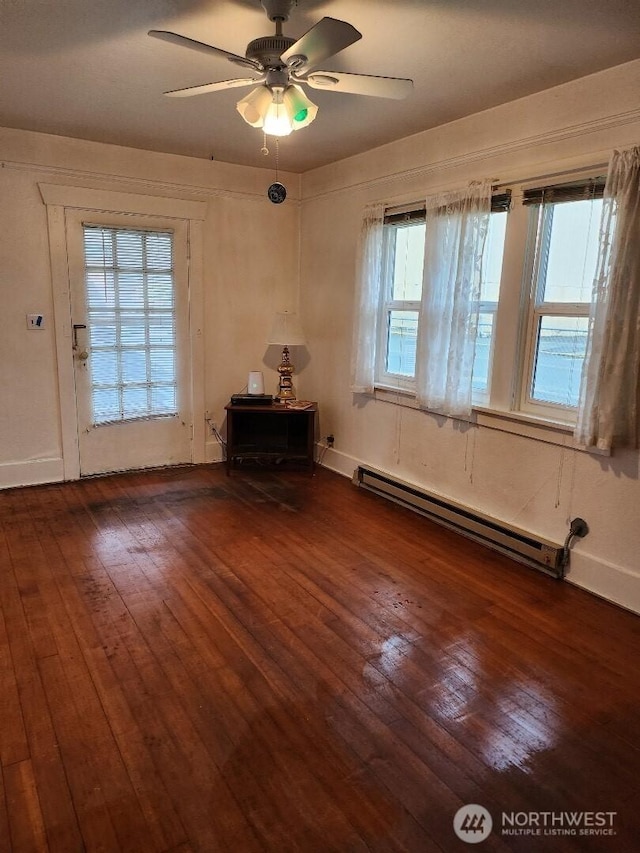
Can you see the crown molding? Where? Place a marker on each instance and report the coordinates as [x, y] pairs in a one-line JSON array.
[[145, 186], [482, 155]]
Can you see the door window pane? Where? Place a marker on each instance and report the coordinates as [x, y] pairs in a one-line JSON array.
[[161, 331], [163, 397], [134, 366], [162, 365], [102, 336], [104, 367], [160, 290], [106, 404], [132, 332], [131, 316], [135, 400]]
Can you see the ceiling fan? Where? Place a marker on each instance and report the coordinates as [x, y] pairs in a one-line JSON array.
[[280, 64]]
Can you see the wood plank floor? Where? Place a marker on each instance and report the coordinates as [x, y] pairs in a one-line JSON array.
[[191, 662]]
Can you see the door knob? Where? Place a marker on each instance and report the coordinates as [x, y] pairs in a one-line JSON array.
[[80, 354]]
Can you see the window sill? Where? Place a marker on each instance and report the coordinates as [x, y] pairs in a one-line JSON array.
[[515, 423]]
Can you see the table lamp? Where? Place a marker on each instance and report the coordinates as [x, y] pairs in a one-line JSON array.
[[286, 331]]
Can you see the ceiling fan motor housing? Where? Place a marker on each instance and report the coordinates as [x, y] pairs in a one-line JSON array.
[[268, 49], [277, 10]]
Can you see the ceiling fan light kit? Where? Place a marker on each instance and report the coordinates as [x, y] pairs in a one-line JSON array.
[[278, 105], [277, 110]]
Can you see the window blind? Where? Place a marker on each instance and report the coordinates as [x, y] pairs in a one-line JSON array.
[[574, 191], [130, 295], [409, 214]]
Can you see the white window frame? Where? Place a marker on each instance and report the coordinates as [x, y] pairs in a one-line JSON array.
[[507, 403], [384, 378], [539, 235], [395, 381]]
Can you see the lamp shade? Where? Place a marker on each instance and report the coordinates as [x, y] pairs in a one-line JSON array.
[[254, 106], [286, 330], [300, 109]]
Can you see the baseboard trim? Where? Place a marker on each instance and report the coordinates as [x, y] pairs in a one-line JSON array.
[[611, 582], [335, 461], [213, 451], [32, 473]]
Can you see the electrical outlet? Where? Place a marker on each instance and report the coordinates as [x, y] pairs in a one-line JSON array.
[[330, 440]]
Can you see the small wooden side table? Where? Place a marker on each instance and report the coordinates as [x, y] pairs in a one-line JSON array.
[[271, 436]]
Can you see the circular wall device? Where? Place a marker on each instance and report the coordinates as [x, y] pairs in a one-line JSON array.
[[277, 193]]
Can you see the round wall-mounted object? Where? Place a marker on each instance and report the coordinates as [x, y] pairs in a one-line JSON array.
[[277, 193]]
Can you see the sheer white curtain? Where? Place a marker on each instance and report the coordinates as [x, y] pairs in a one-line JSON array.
[[367, 304], [457, 224], [608, 407]]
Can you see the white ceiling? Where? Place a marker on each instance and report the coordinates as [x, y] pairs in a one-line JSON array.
[[89, 70]]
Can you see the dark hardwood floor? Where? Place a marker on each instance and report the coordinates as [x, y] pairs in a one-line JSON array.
[[195, 662]]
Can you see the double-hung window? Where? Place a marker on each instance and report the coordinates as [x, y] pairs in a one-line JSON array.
[[564, 239], [534, 305], [403, 273], [524, 313], [403, 261]]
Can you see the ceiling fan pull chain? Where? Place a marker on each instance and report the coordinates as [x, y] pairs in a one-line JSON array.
[[277, 192], [264, 150]]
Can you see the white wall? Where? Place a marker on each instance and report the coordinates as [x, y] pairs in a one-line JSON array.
[[250, 270], [534, 484]]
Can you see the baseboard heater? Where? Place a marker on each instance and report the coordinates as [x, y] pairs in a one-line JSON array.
[[512, 541]]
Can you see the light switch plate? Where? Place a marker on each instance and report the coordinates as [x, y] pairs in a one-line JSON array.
[[35, 321]]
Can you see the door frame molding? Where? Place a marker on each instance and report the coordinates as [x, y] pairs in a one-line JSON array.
[[59, 198]]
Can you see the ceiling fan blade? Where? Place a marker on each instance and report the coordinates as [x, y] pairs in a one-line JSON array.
[[213, 87], [328, 37], [359, 84], [184, 41]]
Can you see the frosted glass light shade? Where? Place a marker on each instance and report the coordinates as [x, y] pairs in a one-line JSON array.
[[254, 106], [300, 109], [286, 330], [277, 110]]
